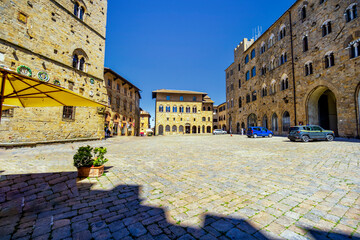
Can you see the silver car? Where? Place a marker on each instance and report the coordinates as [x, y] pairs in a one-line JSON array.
[[219, 131]]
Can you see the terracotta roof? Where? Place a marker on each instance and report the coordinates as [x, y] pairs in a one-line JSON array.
[[144, 113], [175, 91], [207, 99]]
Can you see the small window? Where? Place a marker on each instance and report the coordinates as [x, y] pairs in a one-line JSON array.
[[246, 59], [161, 108], [240, 102], [303, 13], [174, 109], [322, 1], [305, 44], [284, 84], [239, 67], [351, 13], [167, 108], [253, 96], [79, 11], [262, 48], [181, 109], [329, 60], [252, 53], [203, 119], [248, 99], [308, 69], [187, 109], [194, 110], [68, 113], [282, 32], [168, 98], [194, 99], [247, 75], [181, 98], [253, 72], [355, 50], [7, 113], [326, 28], [239, 83]]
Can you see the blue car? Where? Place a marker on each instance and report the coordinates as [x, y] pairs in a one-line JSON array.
[[259, 132]]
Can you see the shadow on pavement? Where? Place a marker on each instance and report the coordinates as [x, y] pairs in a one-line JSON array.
[[54, 206]]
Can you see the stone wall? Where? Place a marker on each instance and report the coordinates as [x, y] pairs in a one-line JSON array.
[[45, 38], [338, 83]]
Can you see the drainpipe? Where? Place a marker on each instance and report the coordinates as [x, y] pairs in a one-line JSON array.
[[293, 67]]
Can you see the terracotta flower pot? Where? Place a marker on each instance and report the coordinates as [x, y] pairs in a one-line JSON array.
[[92, 172]]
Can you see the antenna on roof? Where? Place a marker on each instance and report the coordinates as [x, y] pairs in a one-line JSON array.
[[258, 31]]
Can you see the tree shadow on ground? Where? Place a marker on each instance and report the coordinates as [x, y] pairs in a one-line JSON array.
[[52, 205]]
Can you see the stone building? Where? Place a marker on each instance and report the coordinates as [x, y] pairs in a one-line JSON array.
[[144, 121], [302, 70], [62, 42], [123, 116], [182, 112], [222, 116], [215, 118]]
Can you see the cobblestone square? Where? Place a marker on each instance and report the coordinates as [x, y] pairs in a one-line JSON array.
[[192, 187]]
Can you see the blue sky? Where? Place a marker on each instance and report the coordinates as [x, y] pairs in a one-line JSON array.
[[182, 44]]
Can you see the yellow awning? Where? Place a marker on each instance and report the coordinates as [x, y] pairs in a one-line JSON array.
[[22, 91]]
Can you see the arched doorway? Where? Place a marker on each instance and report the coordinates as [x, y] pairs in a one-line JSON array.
[[322, 110], [208, 129], [203, 129], [224, 127], [286, 122], [238, 128], [274, 123], [265, 122], [198, 129], [252, 120], [243, 125], [194, 129], [161, 130], [187, 128], [181, 129]]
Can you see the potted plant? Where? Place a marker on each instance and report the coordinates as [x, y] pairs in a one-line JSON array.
[[90, 161]]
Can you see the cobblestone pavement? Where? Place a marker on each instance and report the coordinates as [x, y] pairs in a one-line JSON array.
[[198, 187]]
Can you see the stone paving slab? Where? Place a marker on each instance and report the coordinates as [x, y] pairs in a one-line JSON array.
[[192, 187]]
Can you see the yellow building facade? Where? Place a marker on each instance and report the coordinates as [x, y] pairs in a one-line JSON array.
[[144, 122], [182, 112]]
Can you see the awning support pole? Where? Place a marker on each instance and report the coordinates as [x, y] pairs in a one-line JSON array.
[[2, 93]]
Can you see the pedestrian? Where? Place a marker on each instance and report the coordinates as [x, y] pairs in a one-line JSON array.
[[242, 131]]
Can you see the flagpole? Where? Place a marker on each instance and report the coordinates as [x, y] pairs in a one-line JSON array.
[[2, 93]]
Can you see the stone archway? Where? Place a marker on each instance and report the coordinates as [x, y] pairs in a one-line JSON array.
[[252, 120], [265, 122], [238, 128], [322, 109], [194, 129]]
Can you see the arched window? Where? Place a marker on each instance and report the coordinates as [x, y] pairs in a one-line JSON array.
[[208, 129], [265, 122], [232, 103], [161, 108], [181, 128], [240, 102], [130, 107], [326, 28], [194, 109], [329, 60], [79, 11], [274, 123], [284, 83], [174, 109], [263, 70], [187, 109], [303, 13], [167, 108], [181, 98], [203, 119], [167, 128], [248, 99], [252, 120], [308, 68], [82, 64], [305, 44], [247, 75], [355, 49], [264, 91], [253, 72], [174, 128], [351, 12], [262, 48], [271, 40], [286, 122], [282, 32], [75, 61], [247, 59], [253, 96], [253, 53], [273, 87], [181, 109]]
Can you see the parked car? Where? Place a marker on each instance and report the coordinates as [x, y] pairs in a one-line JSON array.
[[259, 132], [219, 131], [310, 132]]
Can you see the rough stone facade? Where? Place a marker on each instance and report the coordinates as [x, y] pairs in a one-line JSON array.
[[182, 112], [45, 36], [123, 117], [305, 71], [144, 121]]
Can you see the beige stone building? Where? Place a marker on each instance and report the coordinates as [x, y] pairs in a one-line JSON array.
[[222, 116], [62, 42], [302, 70], [144, 122], [182, 112], [123, 116]]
